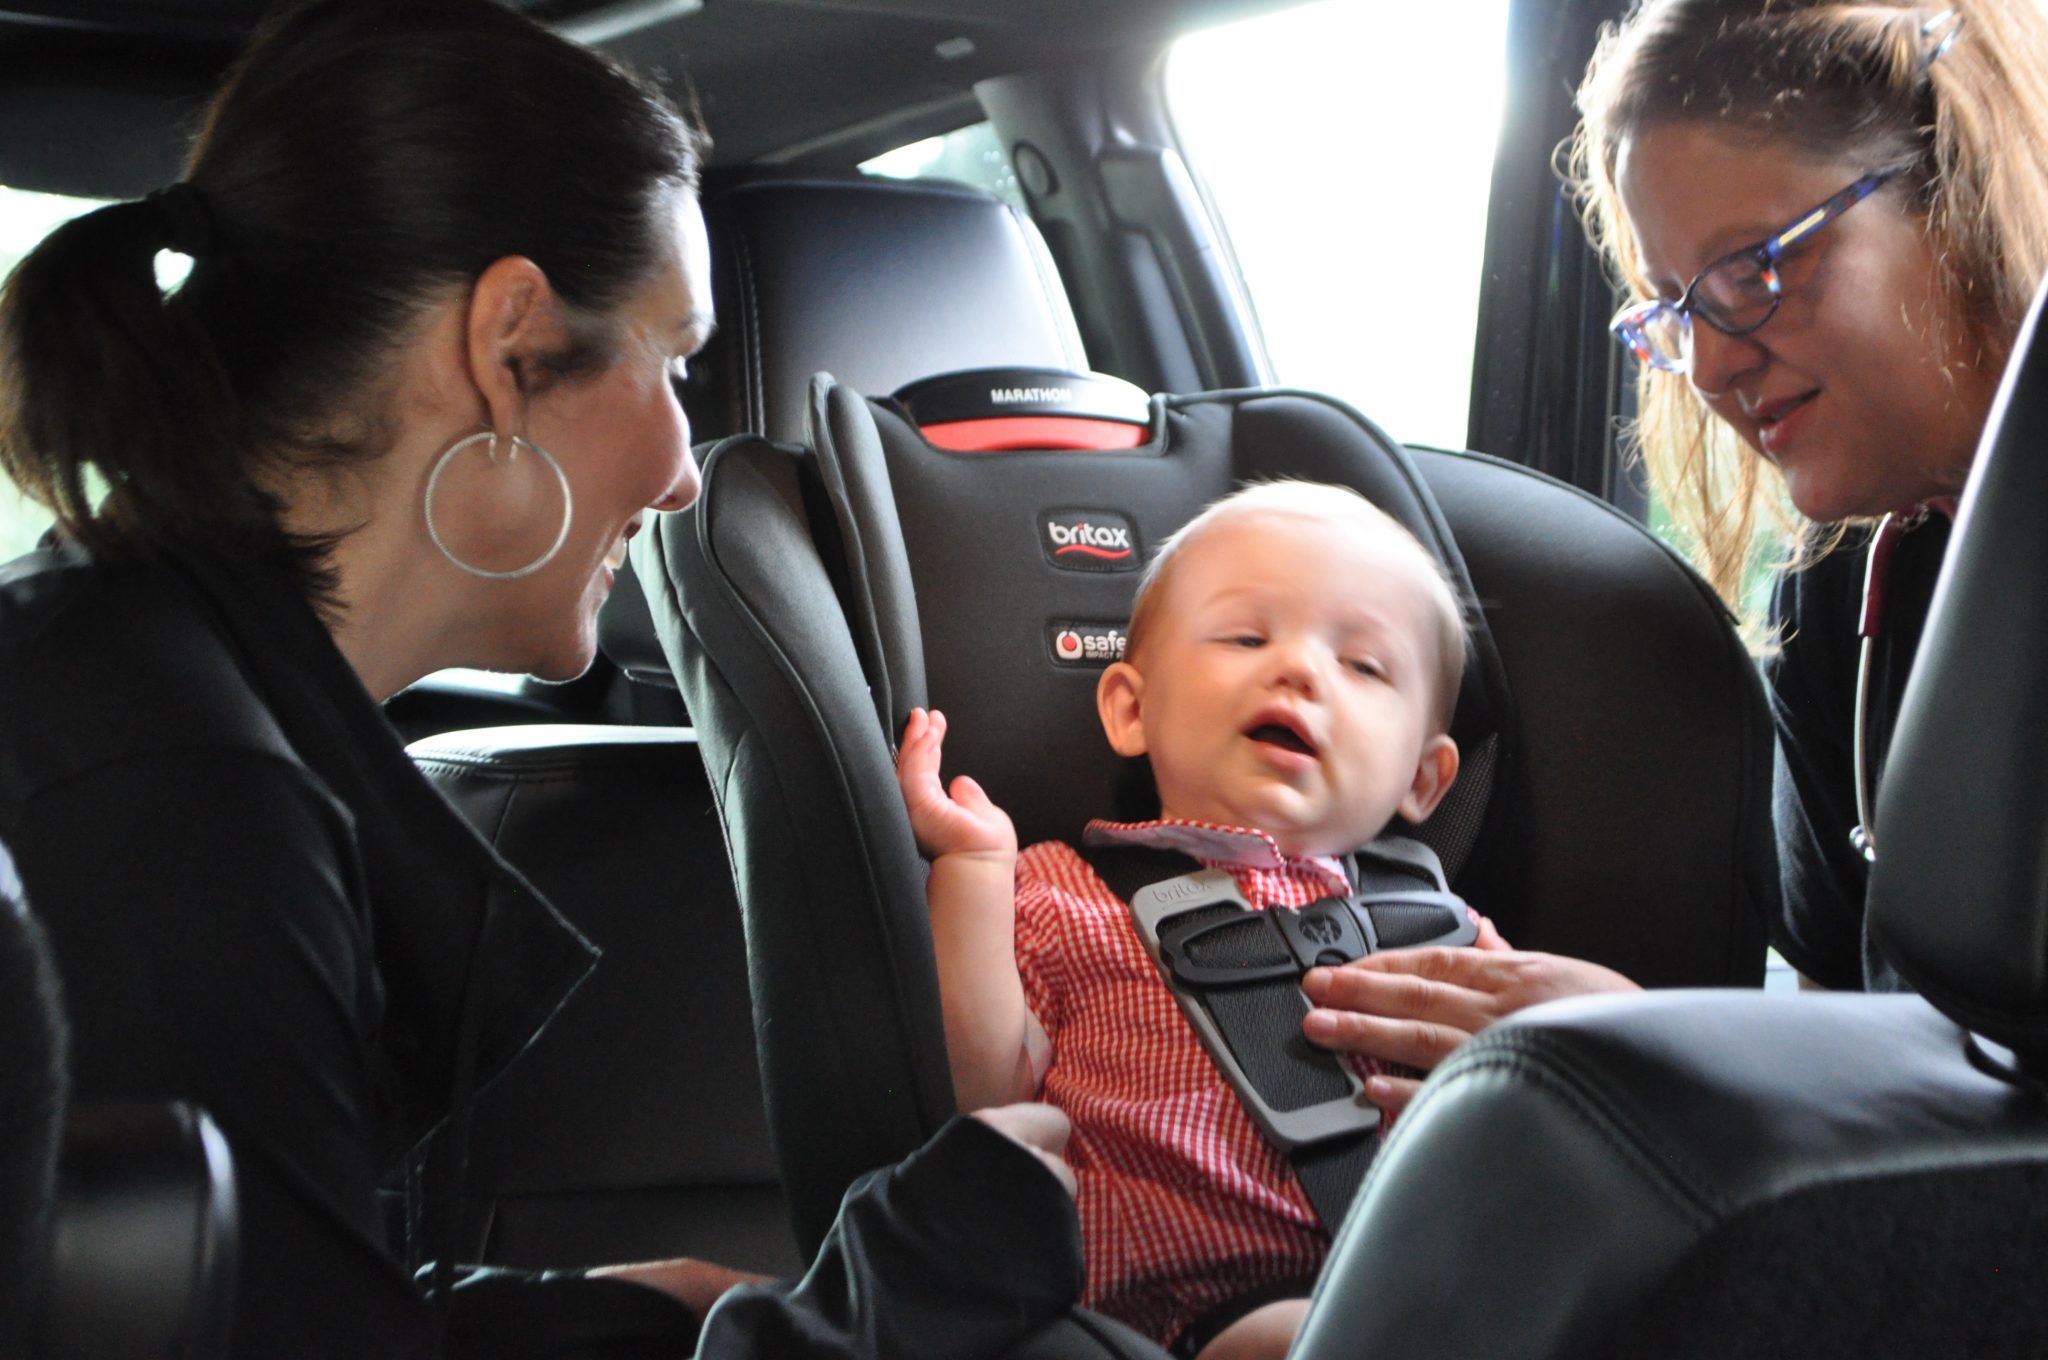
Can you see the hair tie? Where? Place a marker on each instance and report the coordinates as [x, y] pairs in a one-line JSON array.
[[187, 225]]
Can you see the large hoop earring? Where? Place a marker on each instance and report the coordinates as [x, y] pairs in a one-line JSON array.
[[441, 465]]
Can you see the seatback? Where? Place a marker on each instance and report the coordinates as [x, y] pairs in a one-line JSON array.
[[633, 1127], [815, 594], [1779, 1176]]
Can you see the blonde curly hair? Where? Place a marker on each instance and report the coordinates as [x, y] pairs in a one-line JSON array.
[[1957, 94]]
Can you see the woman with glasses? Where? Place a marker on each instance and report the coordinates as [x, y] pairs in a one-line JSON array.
[[1832, 217]]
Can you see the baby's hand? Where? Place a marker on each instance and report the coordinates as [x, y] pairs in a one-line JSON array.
[[946, 821]]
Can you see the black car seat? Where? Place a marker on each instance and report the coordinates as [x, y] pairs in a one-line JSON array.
[[1706, 1174], [634, 1127], [807, 602], [144, 1246], [118, 1218], [818, 595]]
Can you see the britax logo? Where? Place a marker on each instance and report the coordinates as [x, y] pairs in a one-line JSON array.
[[1019, 396], [1088, 540], [1097, 540]]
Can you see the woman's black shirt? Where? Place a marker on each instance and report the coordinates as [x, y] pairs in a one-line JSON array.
[[1816, 612]]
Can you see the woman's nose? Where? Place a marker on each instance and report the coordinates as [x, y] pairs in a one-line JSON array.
[[1719, 359], [683, 489]]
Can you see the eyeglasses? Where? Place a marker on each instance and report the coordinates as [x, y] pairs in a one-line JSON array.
[[1735, 294]]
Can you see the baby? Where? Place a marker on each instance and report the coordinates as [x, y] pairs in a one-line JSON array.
[[1293, 659]]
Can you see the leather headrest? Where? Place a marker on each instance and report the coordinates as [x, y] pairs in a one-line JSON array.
[[1959, 892], [878, 282]]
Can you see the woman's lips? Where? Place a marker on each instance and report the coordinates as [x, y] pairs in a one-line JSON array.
[[1779, 424]]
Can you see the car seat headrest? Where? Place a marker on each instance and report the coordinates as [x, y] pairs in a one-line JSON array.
[[992, 409], [878, 281], [1958, 897]]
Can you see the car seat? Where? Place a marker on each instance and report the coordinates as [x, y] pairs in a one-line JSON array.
[[118, 1217], [634, 1126], [818, 591], [1703, 1174]]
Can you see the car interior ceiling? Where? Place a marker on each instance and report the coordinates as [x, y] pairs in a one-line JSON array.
[[853, 77]]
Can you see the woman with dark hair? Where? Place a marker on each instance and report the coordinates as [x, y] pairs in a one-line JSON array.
[[1833, 217], [403, 412]]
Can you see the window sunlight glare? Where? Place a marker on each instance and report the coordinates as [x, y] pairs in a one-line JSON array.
[[1351, 160]]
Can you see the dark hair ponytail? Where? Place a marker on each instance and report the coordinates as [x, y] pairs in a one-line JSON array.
[[363, 160], [100, 371]]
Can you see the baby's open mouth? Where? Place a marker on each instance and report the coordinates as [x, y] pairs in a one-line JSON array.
[[1286, 738]]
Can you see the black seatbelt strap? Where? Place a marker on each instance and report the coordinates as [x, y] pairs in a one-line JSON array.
[[1236, 973]]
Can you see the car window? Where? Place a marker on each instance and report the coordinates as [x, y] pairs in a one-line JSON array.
[[972, 155], [25, 218], [1350, 158]]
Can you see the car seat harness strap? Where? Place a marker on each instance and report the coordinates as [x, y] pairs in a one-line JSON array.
[[1236, 974]]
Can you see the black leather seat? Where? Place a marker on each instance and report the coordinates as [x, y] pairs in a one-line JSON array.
[[1701, 1174], [633, 1128], [144, 1249], [119, 1218]]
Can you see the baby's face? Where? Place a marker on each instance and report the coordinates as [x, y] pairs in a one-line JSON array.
[[1287, 683]]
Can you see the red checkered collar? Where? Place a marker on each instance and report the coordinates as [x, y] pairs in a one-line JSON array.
[[1228, 847]]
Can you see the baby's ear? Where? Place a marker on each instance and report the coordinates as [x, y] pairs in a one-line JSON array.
[[1433, 776], [1117, 696]]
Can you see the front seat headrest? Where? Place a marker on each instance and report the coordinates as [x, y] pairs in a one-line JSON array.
[[876, 281]]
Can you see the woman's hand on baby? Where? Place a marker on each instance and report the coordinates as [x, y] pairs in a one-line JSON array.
[[947, 820], [1416, 1007]]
